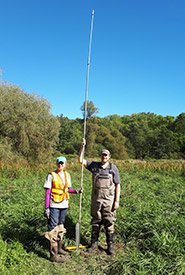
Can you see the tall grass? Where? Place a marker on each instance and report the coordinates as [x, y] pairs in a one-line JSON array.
[[151, 223], [149, 231]]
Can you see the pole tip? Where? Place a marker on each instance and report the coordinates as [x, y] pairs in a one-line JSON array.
[[92, 12]]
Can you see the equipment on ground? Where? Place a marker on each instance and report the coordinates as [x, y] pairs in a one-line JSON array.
[[74, 247]]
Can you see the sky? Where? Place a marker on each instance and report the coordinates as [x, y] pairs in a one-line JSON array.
[[137, 61]]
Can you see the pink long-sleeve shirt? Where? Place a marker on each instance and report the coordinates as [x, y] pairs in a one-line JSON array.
[[48, 192]]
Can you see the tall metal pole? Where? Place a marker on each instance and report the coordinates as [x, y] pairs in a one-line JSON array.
[[83, 151]]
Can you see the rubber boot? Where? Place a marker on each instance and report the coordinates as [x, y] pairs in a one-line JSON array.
[[60, 250], [110, 244], [61, 232], [54, 253], [94, 243]]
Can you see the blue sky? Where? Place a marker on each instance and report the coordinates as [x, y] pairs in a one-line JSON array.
[[137, 56]]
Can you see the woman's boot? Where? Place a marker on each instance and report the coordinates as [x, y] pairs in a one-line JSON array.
[[61, 232], [54, 253], [52, 236]]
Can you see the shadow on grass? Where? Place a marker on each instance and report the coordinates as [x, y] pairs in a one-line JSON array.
[[30, 232]]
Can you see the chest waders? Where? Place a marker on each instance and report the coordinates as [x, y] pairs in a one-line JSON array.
[[102, 212]]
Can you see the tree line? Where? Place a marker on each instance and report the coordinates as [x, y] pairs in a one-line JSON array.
[[138, 136], [30, 131]]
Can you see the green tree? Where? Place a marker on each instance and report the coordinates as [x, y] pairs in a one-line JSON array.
[[150, 135], [91, 146], [91, 109], [179, 128], [113, 140], [70, 135], [26, 122], [136, 130], [163, 144]]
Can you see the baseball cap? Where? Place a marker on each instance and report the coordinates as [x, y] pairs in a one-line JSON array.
[[105, 151], [63, 159]]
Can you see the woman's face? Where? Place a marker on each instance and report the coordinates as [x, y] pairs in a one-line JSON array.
[[61, 166]]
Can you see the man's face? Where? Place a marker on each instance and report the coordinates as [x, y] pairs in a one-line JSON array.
[[105, 158], [60, 166]]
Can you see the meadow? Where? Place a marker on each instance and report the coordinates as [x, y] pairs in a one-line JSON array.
[[149, 231]]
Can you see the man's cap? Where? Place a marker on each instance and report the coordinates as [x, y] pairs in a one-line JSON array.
[[105, 151], [61, 159]]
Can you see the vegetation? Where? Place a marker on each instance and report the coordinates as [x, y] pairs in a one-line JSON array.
[[27, 129], [149, 231], [150, 227], [139, 136], [91, 109]]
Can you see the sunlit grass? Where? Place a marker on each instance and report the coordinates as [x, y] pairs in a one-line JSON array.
[[149, 232]]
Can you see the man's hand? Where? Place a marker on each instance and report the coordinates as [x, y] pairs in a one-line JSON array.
[[83, 142], [80, 157], [47, 213], [116, 205]]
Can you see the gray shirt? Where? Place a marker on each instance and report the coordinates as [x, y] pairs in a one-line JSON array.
[[94, 165]]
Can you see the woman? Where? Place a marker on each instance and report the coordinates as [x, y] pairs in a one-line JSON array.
[[58, 187]]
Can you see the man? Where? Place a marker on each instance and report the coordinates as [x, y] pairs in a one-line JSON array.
[[105, 197], [58, 187]]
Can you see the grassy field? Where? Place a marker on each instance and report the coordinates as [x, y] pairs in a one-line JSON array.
[[149, 232]]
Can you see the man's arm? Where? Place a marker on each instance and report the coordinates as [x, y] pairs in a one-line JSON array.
[[117, 196], [81, 153]]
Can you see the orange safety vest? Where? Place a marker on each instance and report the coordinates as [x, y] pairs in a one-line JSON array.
[[60, 189]]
